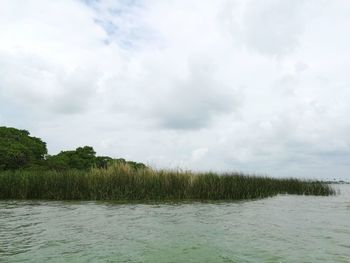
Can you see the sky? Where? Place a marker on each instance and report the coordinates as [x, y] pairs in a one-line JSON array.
[[261, 87]]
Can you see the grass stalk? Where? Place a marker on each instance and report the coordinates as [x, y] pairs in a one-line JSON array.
[[121, 182]]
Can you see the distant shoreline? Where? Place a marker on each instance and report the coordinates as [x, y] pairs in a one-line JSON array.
[[335, 182]]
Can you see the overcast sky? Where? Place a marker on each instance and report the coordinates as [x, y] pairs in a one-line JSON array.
[[260, 86]]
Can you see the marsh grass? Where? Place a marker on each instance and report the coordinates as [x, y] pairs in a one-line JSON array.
[[120, 182]]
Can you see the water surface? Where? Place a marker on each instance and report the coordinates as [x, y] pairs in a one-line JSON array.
[[284, 228]]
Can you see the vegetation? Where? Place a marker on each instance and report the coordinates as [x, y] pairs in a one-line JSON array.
[[18, 150], [27, 172], [82, 158], [121, 182]]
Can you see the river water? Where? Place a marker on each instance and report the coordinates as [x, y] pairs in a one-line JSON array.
[[284, 228]]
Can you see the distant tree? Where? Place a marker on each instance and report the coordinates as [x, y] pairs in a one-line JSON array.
[[58, 162], [82, 158], [102, 161], [136, 165], [19, 150], [120, 161], [85, 158]]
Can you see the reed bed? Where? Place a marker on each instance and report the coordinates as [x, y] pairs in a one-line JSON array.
[[120, 182]]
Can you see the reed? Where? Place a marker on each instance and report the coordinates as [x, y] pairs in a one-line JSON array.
[[121, 182]]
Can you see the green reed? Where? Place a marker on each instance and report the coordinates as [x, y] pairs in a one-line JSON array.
[[122, 182]]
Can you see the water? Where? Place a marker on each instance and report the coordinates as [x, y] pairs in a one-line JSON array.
[[280, 229]]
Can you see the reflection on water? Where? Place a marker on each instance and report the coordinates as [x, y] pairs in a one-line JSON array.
[[280, 229]]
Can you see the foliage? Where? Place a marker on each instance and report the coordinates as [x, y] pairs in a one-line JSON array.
[[82, 158], [19, 150], [122, 182], [132, 164], [80, 174], [103, 161]]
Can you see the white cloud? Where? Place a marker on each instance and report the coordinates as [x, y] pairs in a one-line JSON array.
[[199, 153], [221, 85], [273, 27]]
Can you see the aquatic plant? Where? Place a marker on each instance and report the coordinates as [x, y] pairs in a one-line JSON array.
[[121, 181]]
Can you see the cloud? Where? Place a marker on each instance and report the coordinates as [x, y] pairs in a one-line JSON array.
[[123, 23], [271, 27], [210, 85], [36, 84], [195, 100], [199, 153]]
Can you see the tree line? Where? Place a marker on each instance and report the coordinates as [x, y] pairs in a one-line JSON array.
[[19, 150]]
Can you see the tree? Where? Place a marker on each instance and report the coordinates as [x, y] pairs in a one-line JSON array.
[[134, 165], [102, 161], [82, 158], [19, 150]]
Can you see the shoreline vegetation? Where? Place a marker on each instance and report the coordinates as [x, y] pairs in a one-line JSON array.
[[27, 171], [122, 182]]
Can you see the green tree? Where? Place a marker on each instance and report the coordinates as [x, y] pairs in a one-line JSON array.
[[102, 161], [136, 165], [82, 158], [19, 150]]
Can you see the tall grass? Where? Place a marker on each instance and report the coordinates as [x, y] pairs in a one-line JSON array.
[[121, 182]]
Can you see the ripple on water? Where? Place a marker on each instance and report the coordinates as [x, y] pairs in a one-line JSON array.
[[280, 229]]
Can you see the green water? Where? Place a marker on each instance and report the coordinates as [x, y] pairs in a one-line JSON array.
[[284, 228]]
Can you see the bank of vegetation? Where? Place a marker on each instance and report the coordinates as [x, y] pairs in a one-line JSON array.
[[20, 151], [80, 175], [123, 182]]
